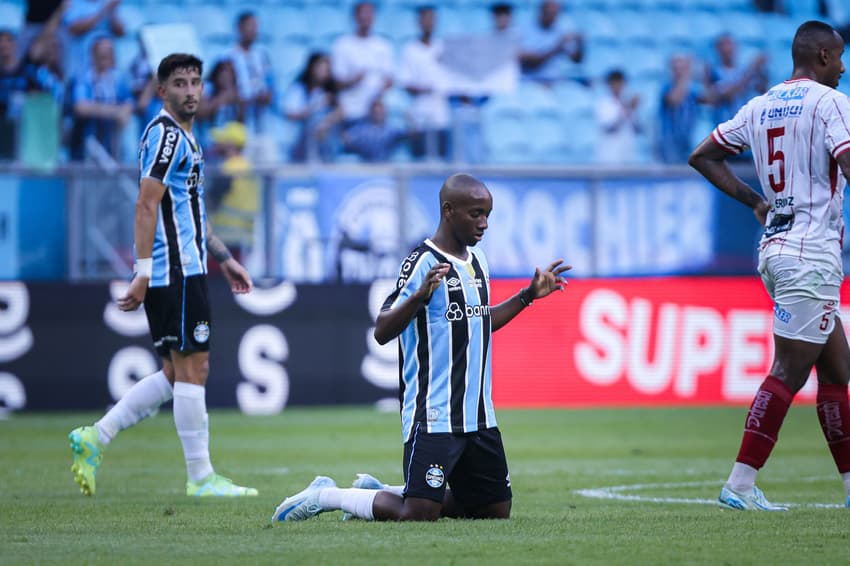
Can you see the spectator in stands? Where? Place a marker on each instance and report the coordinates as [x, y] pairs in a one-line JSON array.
[[37, 17], [85, 21], [254, 73], [312, 102], [234, 196], [678, 111], [373, 139], [362, 66], [17, 78], [221, 102], [618, 125], [731, 84], [101, 101], [423, 78], [550, 45], [503, 19], [143, 85]]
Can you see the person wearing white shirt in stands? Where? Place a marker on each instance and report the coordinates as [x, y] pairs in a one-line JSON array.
[[423, 78], [617, 118], [362, 65]]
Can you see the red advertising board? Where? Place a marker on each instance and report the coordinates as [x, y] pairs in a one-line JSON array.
[[642, 341]]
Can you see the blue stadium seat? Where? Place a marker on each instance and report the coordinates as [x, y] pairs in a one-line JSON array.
[[538, 100], [748, 30], [12, 15], [214, 24], [506, 140], [170, 14], [645, 62], [599, 27], [288, 22], [635, 27], [573, 99], [548, 141], [289, 58], [327, 22], [132, 16]]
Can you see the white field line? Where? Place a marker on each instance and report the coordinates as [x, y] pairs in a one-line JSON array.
[[619, 493]]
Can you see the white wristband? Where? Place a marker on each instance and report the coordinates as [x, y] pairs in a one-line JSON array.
[[144, 267]]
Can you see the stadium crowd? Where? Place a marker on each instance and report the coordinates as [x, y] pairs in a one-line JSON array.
[[360, 97]]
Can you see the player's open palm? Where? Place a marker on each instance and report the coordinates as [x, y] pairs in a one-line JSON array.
[[549, 280], [135, 295]]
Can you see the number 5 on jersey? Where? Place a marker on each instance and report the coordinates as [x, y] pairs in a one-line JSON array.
[[776, 156]]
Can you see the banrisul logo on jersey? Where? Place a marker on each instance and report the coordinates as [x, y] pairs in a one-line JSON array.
[[454, 312]]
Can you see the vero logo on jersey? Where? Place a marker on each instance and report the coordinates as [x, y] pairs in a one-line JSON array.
[[168, 147]]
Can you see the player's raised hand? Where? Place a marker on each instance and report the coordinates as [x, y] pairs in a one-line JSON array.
[[433, 279], [237, 276], [135, 295], [549, 280]]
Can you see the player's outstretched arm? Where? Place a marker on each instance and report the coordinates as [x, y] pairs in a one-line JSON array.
[[147, 207], [542, 284], [237, 276], [710, 160], [392, 321]]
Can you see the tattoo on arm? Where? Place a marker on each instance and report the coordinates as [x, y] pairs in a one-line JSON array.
[[217, 248]]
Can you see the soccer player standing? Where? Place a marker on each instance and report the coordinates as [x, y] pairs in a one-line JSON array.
[[799, 132], [441, 311], [172, 240]]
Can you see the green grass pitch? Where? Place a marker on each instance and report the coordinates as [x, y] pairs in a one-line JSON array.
[[652, 472]]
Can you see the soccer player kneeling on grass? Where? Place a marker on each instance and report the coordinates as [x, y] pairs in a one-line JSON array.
[[440, 310], [799, 132], [172, 241]]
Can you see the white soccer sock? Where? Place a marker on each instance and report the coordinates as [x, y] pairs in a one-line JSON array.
[[846, 477], [190, 418], [743, 477], [358, 502], [140, 402]]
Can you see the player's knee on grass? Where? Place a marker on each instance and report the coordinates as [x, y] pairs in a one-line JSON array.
[[420, 509]]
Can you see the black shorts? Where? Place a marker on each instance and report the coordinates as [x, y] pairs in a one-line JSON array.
[[179, 315], [472, 464]]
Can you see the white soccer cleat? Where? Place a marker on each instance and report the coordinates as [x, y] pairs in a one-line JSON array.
[[363, 481], [752, 501], [305, 503]]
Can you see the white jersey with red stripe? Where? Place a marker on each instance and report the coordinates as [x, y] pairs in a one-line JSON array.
[[796, 131]]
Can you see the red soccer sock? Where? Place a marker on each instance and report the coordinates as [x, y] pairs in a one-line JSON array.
[[764, 420], [834, 416]]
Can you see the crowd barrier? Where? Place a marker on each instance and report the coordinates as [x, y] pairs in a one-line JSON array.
[[602, 342]]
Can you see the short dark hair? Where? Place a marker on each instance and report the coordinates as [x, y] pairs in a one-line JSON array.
[[178, 61], [244, 15], [7, 32], [811, 36], [357, 5], [501, 8], [615, 75]]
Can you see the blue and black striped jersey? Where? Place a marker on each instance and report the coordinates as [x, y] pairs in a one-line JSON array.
[[171, 155], [444, 352]]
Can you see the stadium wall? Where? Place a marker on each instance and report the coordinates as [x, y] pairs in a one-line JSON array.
[[603, 342]]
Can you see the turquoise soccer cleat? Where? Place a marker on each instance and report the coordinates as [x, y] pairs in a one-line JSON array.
[[215, 485], [88, 454], [752, 501], [305, 503]]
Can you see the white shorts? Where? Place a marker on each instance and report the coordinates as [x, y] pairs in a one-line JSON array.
[[805, 297]]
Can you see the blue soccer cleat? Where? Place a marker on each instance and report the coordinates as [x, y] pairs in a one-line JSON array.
[[305, 503], [752, 501]]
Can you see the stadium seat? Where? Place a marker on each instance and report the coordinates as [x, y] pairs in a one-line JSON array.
[[290, 58], [506, 141], [327, 22], [288, 22], [538, 100], [12, 16], [133, 17], [214, 24], [635, 27], [548, 141], [645, 62]]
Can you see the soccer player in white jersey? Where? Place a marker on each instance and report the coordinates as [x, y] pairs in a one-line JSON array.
[[172, 240], [441, 312], [799, 133]]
